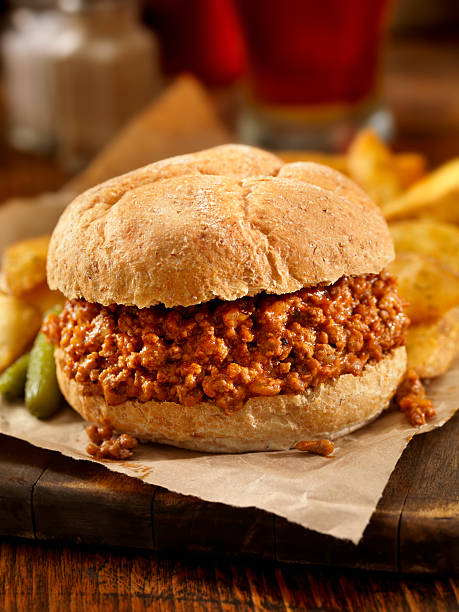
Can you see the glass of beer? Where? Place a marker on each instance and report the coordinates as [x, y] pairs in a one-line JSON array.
[[313, 71]]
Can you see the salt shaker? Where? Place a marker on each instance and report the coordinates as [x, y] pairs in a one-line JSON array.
[[28, 87], [106, 69]]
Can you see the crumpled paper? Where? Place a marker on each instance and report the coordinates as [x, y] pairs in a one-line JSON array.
[[335, 496]]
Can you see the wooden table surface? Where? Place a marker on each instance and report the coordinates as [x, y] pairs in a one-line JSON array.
[[420, 85], [58, 577]]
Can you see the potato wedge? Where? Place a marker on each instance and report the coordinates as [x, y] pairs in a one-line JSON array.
[[428, 237], [371, 165], [43, 298], [436, 196], [19, 324], [410, 168], [429, 288], [24, 265], [432, 347]]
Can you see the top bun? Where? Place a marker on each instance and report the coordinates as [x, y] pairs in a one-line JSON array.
[[222, 223]]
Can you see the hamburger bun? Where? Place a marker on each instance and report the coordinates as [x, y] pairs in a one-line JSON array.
[[223, 223]]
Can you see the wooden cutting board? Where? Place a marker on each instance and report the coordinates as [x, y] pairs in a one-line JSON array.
[[415, 527]]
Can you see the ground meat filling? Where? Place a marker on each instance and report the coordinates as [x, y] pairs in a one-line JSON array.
[[413, 401], [227, 352]]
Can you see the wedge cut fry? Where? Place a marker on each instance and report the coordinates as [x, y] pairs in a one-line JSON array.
[[429, 288], [436, 196], [43, 298], [410, 168], [371, 165], [19, 323], [432, 347], [428, 237], [24, 265]]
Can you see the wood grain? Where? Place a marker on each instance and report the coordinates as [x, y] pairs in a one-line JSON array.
[[429, 522], [21, 465], [50, 576], [187, 524], [83, 502]]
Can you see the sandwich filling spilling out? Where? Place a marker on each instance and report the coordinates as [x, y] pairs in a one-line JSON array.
[[228, 352]]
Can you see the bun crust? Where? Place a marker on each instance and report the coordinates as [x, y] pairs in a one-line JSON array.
[[330, 410], [226, 222]]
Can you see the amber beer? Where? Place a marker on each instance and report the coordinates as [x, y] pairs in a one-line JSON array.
[[311, 60]]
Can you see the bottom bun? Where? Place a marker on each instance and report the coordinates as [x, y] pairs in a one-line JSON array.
[[328, 411]]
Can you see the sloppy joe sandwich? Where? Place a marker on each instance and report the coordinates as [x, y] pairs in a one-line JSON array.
[[224, 301]]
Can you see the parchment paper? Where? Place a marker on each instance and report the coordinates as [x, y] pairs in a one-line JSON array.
[[334, 495]]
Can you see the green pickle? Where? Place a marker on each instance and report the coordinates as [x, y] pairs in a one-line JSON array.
[[13, 379], [42, 393]]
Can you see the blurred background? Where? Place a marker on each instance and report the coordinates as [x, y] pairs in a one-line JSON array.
[[296, 74]]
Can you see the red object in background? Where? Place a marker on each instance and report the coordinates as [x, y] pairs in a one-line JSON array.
[[312, 51], [198, 36]]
